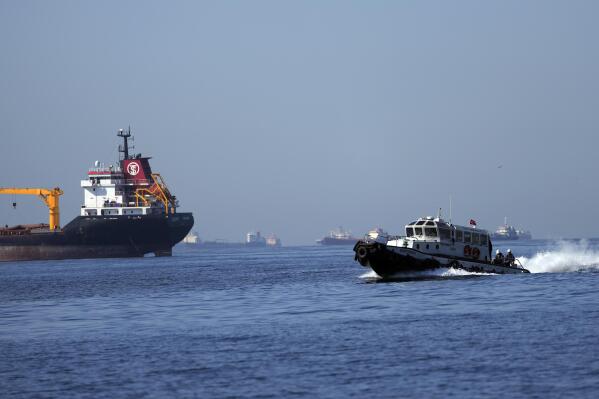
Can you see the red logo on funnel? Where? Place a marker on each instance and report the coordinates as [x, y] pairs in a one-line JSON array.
[[133, 168]]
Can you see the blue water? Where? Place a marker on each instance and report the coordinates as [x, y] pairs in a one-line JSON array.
[[298, 322]]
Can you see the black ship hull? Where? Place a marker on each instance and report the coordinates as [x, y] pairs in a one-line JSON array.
[[100, 237]]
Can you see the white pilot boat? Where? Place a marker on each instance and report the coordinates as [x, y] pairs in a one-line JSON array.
[[430, 244]]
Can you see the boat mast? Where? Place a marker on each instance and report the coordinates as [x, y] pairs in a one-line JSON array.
[[450, 209]]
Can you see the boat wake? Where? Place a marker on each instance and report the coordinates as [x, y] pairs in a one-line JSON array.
[[568, 257], [443, 272]]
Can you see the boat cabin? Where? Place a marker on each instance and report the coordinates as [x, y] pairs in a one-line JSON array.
[[436, 236]]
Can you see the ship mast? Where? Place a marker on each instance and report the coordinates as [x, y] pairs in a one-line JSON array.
[[124, 148]]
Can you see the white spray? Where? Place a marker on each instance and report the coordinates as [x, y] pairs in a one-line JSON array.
[[440, 272], [568, 257]]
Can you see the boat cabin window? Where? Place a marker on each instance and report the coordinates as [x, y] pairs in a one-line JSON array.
[[475, 237], [417, 231], [458, 235], [420, 223], [444, 234], [409, 232], [430, 231], [484, 240], [429, 223], [467, 237]]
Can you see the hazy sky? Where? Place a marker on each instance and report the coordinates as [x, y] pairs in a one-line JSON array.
[[297, 117]]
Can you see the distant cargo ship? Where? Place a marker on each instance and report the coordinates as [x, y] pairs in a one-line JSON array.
[[338, 237], [505, 232], [127, 211], [376, 233], [252, 239], [191, 238], [255, 239]]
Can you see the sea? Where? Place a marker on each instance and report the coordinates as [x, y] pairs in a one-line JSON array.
[[299, 322]]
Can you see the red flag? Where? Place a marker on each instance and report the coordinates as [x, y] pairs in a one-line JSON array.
[[472, 222]]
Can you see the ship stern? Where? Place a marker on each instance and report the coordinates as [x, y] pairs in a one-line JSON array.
[[179, 225]]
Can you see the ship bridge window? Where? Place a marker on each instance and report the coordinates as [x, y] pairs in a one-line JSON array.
[[475, 238], [409, 232], [484, 240], [458, 235], [420, 223], [444, 234], [417, 231], [429, 223], [467, 237], [430, 231]]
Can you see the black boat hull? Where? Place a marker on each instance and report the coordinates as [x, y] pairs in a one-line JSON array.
[[101, 237], [392, 261]]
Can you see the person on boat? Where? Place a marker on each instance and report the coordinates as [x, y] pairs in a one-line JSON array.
[[509, 258], [498, 258]]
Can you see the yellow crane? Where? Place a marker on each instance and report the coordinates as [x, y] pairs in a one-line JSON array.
[[49, 196]]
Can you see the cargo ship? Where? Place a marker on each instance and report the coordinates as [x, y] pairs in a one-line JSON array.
[[505, 232], [252, 239], [338, 237], [128, 211], [256, 239]]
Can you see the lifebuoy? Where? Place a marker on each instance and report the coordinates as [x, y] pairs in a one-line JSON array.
[[467, 250]]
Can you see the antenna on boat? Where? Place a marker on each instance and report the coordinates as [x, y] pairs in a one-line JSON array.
[[450, 209], [439, 214]]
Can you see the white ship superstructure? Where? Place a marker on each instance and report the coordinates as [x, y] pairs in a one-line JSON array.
[[254, 239], [133, 190]]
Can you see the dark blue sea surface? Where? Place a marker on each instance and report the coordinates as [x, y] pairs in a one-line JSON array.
[[299, 322]]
